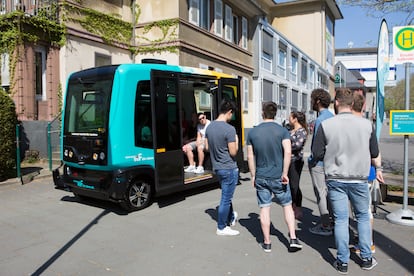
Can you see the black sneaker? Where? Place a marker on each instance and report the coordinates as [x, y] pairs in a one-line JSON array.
[[294, 245], [342, 268], [368, 264], [267, 247]]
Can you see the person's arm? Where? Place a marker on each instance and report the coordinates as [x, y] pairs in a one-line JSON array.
[[378, 168], [287, 155], [198, 140], [252, 163], [376, 156], [318, 147], [233, 147], [206, 144]]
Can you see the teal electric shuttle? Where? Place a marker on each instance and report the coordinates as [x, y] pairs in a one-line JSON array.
[[123, 128]]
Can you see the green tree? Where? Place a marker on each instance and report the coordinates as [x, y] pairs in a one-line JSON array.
[[8, 121], [395, 96]]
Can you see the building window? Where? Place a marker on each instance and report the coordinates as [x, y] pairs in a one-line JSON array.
[[199, 13], [294, 68], [304, 102], [304, 71], [295, 100], [228, 28], [244, 33], [281, 63], [311, 81], [235, 29], [282, 97], [193, 13], [267, 93], [267, 51], [245, 94], [5, 71], [322, 81], [40, 74], [102, 60], [2, 7], [218, 17]]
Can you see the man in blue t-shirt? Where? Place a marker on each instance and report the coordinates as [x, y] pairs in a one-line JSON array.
[[268, 155], [320, 101]]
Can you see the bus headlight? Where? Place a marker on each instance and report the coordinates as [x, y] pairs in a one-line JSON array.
[[102, 155], [95, 156]]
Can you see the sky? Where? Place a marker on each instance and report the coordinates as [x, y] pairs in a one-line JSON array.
[[359, 30]]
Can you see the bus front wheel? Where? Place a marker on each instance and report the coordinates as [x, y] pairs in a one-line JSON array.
[[138, 195]]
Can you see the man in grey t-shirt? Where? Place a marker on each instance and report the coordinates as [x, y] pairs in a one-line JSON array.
[[223, 144]]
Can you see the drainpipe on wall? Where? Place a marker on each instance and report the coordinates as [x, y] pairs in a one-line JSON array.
[[133, 31]]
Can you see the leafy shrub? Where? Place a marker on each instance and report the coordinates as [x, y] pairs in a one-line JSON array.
[[8, 121]]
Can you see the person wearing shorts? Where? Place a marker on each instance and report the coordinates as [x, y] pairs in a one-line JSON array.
[[198, 144], [268, 156]]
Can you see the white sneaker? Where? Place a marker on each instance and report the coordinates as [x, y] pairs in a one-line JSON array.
[[190, 169], [227, 231], [234, 220], [199, 169]]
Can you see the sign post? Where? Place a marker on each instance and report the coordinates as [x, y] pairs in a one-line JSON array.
[[403, 38]]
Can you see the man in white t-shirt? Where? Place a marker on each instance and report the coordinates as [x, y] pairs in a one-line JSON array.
[[198, 144]]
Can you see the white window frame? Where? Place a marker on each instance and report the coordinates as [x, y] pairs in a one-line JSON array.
[[218, 18], [311, 79], [228, 28], [245, 94], [281, 66], [244, 33], [294, 68]]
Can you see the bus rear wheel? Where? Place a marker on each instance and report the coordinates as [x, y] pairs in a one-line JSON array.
[[138, 195]]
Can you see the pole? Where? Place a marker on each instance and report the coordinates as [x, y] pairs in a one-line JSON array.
[[407, 107], [49, 146], [404, 216], [18, 151]]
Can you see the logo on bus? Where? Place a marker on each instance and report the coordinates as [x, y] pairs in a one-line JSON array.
[[80, 184]]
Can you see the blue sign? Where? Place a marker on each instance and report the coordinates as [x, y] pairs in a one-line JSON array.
[[402, 122]]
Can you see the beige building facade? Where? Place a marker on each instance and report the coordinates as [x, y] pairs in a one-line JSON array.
[[221, 35]]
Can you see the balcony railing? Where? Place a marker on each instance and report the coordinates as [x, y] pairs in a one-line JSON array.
[[48, 8]]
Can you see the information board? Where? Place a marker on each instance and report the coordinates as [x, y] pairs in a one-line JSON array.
[[402, 122]]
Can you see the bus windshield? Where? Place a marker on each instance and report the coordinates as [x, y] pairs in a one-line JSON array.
[[87, 106]]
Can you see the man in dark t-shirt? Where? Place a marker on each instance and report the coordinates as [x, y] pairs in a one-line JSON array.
[[268, 155]]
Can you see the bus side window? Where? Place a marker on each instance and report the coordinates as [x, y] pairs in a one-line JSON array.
[[142, 117]]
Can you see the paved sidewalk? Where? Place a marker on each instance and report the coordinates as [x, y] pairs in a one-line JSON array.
[[45, 231]]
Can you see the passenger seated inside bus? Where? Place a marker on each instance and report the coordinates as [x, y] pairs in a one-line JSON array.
[[198, 145]]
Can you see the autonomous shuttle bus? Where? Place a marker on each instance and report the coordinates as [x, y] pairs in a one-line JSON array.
[[123, 129]]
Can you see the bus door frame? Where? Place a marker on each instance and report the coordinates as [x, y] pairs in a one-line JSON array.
[[238, 123], [169, 162]]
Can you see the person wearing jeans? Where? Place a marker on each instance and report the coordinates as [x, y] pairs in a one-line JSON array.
[[320, 101], [358, 194], [223, 144], [228, 180], [346, 143]]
